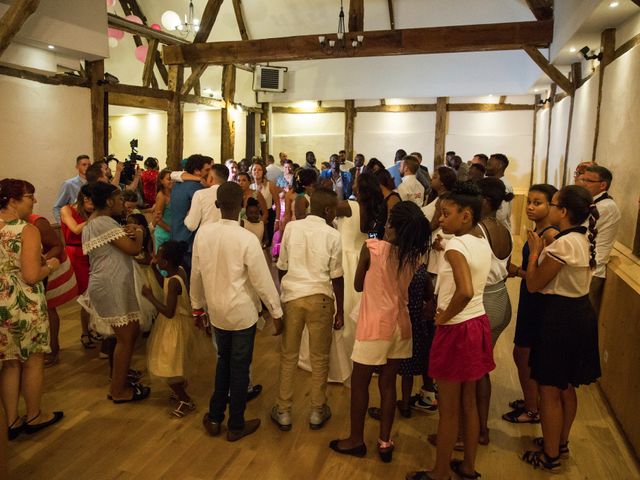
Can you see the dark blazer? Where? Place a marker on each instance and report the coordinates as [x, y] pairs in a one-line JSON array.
[[346, 182]]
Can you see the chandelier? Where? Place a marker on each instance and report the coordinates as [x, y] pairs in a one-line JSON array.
[[329, 45], [172, 21]]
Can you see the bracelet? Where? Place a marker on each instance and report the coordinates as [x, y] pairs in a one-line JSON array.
[[533, 257]]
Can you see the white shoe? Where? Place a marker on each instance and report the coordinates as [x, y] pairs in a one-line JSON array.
[[283, 419], [425, 401], [318, 417]]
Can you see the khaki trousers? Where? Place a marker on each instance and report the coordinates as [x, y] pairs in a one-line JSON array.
[[316, 312]]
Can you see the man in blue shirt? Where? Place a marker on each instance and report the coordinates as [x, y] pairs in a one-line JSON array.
[[395, 169], [340, 181], [181, 196], [69, 190]]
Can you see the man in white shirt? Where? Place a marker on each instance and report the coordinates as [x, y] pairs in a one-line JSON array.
[[597, 180], [310, 268], [345, 165], [496, 166], [203, 204], [273, 170], [229, 278], [411, 189]]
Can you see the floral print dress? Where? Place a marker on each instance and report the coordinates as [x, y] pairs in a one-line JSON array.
[[24, 323]]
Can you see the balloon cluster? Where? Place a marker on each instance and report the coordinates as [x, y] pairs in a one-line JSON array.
[[114, 35]]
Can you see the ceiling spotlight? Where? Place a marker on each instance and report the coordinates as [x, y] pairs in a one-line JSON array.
[[588, 54], [572, 49], [614, 4], [50, 47]]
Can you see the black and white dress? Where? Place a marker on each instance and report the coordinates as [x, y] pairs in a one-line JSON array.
[[565, 351]]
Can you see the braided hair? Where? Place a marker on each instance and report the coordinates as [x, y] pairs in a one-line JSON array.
[[579, 205], [413, 233]]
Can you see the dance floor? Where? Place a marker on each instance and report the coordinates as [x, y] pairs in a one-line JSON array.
[[100, 440]]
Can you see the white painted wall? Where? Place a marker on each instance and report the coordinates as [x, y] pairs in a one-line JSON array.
[[510, 133], [44, 128], [619, 139], [583, 125], [542, 140], [558, 141]]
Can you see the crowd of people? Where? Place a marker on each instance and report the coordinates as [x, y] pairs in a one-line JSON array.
[[409, 268]]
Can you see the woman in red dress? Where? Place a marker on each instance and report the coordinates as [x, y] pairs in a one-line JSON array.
[[73, 218]]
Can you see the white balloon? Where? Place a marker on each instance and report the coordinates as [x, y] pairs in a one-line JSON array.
[[170, 20], [113, 42]]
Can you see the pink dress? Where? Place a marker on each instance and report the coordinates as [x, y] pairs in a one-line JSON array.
[[384, 327]]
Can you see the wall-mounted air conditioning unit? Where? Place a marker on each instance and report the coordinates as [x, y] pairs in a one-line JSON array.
[[269, 79]]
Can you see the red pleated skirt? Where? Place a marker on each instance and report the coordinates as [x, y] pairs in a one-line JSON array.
[[462, 352]]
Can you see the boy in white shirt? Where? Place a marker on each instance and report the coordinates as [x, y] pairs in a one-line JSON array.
[[203, 204], [310, 268], [230, 277], [411, 189]]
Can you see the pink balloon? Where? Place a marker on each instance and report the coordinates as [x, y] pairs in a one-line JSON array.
[[141, 53], [155, 26], [134, 19], [111, 3], [113, 33]]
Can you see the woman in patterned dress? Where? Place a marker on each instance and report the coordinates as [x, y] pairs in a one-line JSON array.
[[24, 325]]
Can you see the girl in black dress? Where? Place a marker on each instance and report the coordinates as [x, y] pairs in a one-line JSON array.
[[564, 353]]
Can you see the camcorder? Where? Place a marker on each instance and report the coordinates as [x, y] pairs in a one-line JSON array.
[[129, 170]]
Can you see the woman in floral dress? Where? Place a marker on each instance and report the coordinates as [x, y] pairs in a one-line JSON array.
[[24, 325]]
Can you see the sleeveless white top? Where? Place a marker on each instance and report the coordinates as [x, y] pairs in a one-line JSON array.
[[266, 193], [498, 271]]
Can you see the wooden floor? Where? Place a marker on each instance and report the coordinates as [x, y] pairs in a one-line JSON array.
[[100, 440]]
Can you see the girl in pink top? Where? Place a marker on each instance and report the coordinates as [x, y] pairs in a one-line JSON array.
[[383, 334]]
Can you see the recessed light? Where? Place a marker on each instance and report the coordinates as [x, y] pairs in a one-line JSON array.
[[536, 89], [614, 4], [572, 49], [50, 47]]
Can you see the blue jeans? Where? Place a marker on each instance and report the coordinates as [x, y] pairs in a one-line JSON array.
[[235, 351]]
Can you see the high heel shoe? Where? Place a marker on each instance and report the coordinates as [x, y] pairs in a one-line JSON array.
[[385, 450], [358, 451]]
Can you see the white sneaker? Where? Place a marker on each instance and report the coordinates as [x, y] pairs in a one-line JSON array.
[[283, 419], [318, 417]]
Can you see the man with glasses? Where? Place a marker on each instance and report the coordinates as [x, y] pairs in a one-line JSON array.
[[597, 180]]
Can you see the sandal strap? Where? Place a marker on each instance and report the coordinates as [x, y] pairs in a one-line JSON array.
[[539, 459], [383, 444]]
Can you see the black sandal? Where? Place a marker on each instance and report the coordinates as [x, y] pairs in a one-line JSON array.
[[140, 392], [514, 416], [539, 459], [14, 431], [385, 450], [456, 466], [30, 429], [564, 447], [517, 404], [87, 342], [357, 451]]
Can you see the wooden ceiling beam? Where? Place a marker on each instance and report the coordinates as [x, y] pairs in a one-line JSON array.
[[196, 73], [237, 8], [356, 15], [147, 71], [541, 9], [125, 25], [552, 72], [207, 20], [13, 19], [467, 38]]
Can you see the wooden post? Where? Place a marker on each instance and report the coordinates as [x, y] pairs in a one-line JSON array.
[[175, 126], [356, 15], [441, 131], [264, 132], [147, 72], [392, 22], [237, 8], [95, 71], [576, 76], [552, 102], [227, 143], [13, 19], [536, 107], [349, 123], [608, 47]]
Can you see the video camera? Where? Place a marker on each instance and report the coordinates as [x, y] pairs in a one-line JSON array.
[[129, 170]]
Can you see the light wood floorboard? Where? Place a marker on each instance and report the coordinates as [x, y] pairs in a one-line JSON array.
[[100, 440]]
